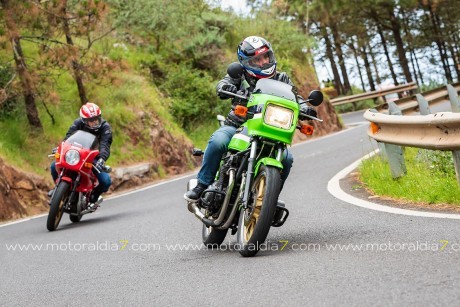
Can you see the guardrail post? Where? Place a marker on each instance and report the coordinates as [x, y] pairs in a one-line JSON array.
[[393, 109], [395, 153], [380, 145], [456, 156], [453, 97], [424, 107]]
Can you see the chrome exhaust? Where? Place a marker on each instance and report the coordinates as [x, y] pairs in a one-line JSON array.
[[229, 221], [193, 207]]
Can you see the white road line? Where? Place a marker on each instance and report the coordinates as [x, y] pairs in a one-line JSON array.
[[333, 187]]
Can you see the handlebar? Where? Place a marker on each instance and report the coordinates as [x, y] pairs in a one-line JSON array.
[[233, 94], [106, 169], [311, 117]]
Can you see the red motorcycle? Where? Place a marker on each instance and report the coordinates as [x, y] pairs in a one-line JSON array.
[[74, 164]]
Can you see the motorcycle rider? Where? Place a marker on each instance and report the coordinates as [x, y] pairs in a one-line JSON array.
[[91, 121], [257, 58]]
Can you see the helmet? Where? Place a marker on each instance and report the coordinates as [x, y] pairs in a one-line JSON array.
[[257, 57], [90, 114]]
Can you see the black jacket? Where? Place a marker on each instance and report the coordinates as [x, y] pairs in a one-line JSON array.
[[232, 118], [103, 134]]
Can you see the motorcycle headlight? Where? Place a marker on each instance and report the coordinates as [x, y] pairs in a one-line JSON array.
[[278, 116], [72, 157]]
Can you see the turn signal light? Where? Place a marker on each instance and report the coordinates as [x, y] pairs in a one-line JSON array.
[[88, 165], [241, 111], [307, 129]]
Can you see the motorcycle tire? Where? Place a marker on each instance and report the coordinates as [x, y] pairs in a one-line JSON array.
[[254, 222], [57, 205], [75, 218], [213, 237]]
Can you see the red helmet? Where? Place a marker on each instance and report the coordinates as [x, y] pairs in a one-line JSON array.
[[90, 114]]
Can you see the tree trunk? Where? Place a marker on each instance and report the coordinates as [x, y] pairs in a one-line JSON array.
[[339, 53], [330, 55], [77, 73], [21, 67], [368, 68], [439, 42], [374, 63], [396, 29], [385, 47], [355, 53]]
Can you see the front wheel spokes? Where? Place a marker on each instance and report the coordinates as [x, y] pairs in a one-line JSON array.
[[259, 190]]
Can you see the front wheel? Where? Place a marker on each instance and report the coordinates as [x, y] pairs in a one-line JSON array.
[[254, 222], [57, 203]]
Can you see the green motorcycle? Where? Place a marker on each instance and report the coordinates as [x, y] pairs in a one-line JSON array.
[[244, 195]]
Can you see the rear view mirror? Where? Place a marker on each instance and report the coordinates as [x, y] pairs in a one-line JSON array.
[[315, 98], [235, 70]]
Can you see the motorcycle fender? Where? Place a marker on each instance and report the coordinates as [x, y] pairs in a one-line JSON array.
[[68, 179], [268, 162]]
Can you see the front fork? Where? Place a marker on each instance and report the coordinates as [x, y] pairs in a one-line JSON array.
[[252, 156], [250, 172]]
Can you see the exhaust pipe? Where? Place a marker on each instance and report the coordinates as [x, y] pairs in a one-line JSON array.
[[193, 207]]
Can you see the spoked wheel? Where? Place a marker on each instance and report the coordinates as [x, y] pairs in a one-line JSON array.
[[213, 237], [57, 205], [254, 222]]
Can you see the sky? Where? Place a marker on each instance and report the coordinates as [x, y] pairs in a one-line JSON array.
[[239, 6]]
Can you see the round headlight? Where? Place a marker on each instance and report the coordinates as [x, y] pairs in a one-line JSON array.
[[72, 157]]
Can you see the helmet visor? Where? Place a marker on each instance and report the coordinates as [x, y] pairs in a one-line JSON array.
[[260, 61], [93, 122]]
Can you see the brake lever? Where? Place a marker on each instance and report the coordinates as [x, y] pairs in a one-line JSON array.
[[233, 94]]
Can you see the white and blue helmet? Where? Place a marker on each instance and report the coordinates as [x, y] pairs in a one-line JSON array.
[[252, 49]]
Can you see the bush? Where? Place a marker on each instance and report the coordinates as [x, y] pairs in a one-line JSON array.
[[193, 92], [9, 98]]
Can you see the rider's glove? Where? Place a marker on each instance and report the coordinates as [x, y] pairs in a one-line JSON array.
[[100, 165], [306, 110], [229, 88], [55, 149]]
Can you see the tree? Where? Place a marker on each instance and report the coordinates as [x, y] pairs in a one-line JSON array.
[[10, 14]]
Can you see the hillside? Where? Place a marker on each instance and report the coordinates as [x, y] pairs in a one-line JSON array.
[[159, 98]]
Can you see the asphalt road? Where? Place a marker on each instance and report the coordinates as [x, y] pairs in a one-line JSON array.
[[144, 249]]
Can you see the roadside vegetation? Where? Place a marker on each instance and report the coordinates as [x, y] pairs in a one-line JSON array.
[[430, 177]]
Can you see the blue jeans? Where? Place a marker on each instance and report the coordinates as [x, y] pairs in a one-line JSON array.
[[104, 181], [217, 146]]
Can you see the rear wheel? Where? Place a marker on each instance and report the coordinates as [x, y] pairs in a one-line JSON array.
[[213, 237], [75, 218], [254, 222], [57, 205]]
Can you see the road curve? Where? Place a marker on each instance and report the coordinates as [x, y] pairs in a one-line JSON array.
[[144, 248]]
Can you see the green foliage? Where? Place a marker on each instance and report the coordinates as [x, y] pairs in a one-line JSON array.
[[205, 50], [182, 46], [9, 99], [193, 94], [437, 161], [430, 178]]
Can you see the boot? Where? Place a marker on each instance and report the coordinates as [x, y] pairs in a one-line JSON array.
[[194, 194]]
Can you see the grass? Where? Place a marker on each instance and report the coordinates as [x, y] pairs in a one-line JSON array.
[[430, 178]]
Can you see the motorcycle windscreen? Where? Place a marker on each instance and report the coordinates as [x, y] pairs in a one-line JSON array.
[[275, 88], [83, 139]]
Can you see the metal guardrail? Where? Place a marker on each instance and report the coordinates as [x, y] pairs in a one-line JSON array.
[[373, 94], [412, 103], [440, 131]]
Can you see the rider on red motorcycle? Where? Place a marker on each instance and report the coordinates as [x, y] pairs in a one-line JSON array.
[[90, 120]]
